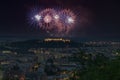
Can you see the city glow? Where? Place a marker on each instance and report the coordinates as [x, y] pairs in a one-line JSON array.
[[56, 39]]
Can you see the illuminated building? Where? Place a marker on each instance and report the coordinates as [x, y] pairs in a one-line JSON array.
[[56, 40]]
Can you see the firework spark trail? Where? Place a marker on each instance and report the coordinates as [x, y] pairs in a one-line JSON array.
[[57, 22]]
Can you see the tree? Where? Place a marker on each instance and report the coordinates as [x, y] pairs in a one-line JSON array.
[[102, 69]]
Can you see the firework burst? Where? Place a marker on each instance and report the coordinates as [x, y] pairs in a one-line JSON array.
[[56, 22], [67, 19]]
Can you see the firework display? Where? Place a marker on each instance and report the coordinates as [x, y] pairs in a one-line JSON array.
[[51, 20]]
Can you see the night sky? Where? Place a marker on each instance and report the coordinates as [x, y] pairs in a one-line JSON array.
[[104, 17]]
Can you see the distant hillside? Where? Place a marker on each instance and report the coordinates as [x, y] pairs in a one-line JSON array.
[[44, 44]]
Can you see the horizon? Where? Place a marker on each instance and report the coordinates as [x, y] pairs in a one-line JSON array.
[[77, 39]]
